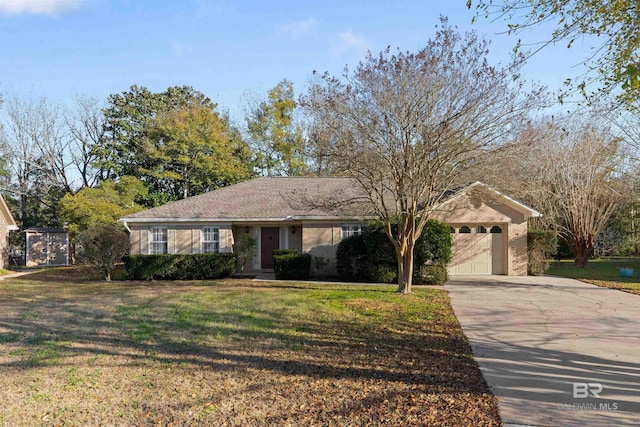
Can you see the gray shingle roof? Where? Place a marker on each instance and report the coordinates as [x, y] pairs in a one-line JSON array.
[[267, 198]]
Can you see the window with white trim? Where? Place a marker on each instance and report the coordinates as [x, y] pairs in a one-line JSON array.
[[349, 230], [210, 240], [158, 240]]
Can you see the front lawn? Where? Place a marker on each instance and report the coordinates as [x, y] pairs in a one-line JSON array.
[[82, 352], [603, 272]]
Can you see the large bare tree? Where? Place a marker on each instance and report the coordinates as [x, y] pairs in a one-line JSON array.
[[406, 126], [36, 148], [85, 123], [573, 173]]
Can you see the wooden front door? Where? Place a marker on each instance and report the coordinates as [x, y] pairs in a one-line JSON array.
[[269, 240]]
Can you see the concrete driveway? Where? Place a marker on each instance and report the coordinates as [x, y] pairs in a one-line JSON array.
[[556, 352]]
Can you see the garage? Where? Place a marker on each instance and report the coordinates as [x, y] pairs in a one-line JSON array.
[[489, 231], [478, 249]]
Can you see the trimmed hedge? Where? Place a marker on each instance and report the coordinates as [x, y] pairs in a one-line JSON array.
[[277, 252], [431, 275], [384, 273], [179, 266], [292, 266]]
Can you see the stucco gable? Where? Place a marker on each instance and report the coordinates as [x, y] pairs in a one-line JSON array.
[[480, 203]]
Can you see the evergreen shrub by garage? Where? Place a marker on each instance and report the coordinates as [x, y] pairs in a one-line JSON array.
[[292, 266], [431, 275], [372, 257], [541, 247], [180, 266]]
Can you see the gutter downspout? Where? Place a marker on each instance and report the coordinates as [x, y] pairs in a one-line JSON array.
[[126, 226]]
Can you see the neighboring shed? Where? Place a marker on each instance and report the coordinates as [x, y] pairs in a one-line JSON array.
[[7, 223], [46, 247]]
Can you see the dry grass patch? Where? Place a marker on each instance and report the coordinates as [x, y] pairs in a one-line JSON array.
[[78, 352], [632, 288]]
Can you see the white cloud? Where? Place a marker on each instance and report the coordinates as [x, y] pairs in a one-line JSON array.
[[297, 29], [38, 7], [348, 42]]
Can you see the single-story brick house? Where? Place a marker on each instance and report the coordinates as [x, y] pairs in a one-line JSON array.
[[7, 223], [313, 215]]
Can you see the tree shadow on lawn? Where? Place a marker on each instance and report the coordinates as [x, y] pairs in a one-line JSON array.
[[534, 380], [403, 358]]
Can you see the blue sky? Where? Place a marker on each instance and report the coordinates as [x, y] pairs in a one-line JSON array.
[[224, 48]]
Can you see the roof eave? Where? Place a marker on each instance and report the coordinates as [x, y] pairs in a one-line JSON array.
[[7, 214], [240, 219]]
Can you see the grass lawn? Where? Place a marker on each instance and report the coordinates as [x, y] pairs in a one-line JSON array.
[[602, 272], [81, 352]]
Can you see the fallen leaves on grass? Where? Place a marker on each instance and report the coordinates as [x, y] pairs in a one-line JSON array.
[[231, 354]]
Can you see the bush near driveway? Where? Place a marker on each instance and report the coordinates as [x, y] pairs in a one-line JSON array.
[[233, 352]]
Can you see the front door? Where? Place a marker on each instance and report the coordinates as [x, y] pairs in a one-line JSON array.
[[269, 240]]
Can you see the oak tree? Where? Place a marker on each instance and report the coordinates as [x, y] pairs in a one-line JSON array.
[[101, 205], [276, 134], [193, 150], [128, 120]]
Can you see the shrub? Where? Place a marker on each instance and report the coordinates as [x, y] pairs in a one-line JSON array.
[[384, 273], [372, 256], [378, 247], [103, 247], [351, 259], [434, 245], [320, 266], [541, 246], [180, 267], [277, 252], [292, 266], [245, 249], [431, 275]]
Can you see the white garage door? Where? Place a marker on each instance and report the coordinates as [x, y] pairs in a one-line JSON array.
[[477, 249]]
